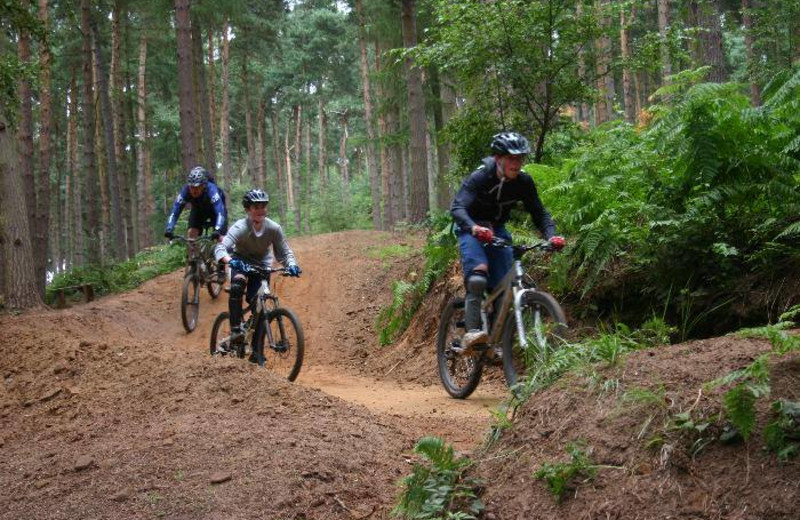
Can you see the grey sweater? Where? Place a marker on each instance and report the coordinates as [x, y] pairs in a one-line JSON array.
[[242, 242]]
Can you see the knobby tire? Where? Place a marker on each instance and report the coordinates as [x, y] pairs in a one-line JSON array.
[[190, 302], [460, 374], [284, 356], [545, 328]]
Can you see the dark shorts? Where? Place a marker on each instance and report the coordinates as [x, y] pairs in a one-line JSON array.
[[203, 218], [474, 253], [253, 283]]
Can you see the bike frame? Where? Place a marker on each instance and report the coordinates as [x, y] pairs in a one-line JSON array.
[[512, 292]]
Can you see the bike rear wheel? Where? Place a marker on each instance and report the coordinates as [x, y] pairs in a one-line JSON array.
[[545, 328], [279, 343], [460, 373], [221, 335], [190, 302]]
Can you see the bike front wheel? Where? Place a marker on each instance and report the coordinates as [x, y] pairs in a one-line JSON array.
[[221, 336], [460, 373], [190, 302], [279, 343], [215, 281], [545, 327]]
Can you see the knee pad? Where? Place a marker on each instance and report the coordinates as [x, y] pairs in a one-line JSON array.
[[237, 288], [476, 282]]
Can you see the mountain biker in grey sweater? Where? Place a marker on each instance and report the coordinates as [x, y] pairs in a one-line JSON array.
[[254, 240]]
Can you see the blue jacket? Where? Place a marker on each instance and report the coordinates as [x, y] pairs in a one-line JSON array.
[[486, 200], [212, 201]]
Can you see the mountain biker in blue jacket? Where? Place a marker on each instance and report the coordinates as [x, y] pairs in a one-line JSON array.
[[481, 209], [207, 202], [253, 240]]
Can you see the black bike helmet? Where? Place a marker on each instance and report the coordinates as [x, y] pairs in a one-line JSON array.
[[253, 197], [510, 143], [197, 177]]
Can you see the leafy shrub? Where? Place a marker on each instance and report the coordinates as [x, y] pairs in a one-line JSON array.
[[437, 488]]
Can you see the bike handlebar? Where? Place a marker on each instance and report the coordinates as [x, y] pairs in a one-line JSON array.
[[189, 240], [521, 249]]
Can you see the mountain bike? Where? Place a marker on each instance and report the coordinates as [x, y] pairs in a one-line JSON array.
[[273, 335], [200, 270], [525, 322]]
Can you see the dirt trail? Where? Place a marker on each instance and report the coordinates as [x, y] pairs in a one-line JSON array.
[[110, 410]]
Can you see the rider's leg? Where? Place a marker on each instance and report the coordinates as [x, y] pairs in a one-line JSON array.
[[475, 285], [193, 232], [238, 284]]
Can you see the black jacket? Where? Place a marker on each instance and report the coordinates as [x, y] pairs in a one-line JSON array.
[[486, 200]]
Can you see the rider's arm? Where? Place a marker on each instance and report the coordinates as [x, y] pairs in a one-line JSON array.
[[533, 205], [177, 208], [283, 253], [219, 206], [464, 198], [228, 244]]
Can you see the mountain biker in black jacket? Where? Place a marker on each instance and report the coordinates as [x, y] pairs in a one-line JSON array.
[[481, 209]]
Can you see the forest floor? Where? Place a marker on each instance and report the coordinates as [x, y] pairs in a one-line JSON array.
[[110, 410]]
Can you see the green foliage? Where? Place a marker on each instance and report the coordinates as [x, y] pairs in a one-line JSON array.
[[692, 432], [437, 487], [702, 199], [782, 434], [122, 276], [561, 477], [439, 252], [607, 347]]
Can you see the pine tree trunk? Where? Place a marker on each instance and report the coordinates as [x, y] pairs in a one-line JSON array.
[[372, 166], [26, 163], [201, 95], [118, 113], [708, 50], [322, 141], [307, 177], [747, 19], [212, 97], [344, 166], [663, 31], [416, 117], [447, 104], [248, 125], [107, 119], [287, 157], [142, 185], [73, 202], [20, 285], [276, 152], [261, 151], [604, 109], [186, 98], [224, 114], [45, 148], [627, 84], [296, 148], [91, 189]]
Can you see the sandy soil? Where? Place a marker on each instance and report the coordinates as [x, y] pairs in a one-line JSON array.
[[110, 410]]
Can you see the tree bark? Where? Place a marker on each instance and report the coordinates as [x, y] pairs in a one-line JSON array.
[[21, 287], [416, 115], [261, 151], [372, 166], [604, 109], [45, 152], [188, 116], [212, 97], [276, 152], [201, 95], [75, 195], [296, 147], [625, 21], [663, 31], [747, 19], [248, 124], [142, 175], [91, 189], [106, 116], [708, 50], [322, 141], [224, 113]]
